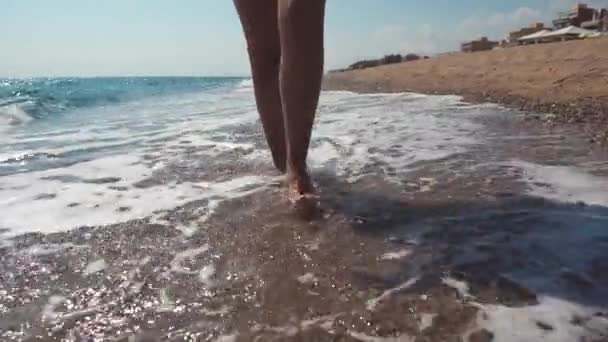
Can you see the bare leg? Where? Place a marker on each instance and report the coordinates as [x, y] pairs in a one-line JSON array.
[[301, 26], [259, 20]]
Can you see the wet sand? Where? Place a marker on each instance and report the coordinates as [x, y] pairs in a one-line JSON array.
[[566, 80], [504, 241]]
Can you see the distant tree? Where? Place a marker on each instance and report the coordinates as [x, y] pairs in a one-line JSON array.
[[390, 59], [387, 59], [411, 57], [364, 64]]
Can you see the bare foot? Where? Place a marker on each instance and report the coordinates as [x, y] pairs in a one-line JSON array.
[[302, 197]]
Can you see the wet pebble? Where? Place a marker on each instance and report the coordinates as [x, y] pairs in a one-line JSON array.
[[482, 335]]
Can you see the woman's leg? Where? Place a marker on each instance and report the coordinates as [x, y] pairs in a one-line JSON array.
[[259, 20], [301, 29]]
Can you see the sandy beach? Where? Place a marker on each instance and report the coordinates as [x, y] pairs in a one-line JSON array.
[[566, 79]]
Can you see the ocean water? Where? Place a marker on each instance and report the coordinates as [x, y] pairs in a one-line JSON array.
[[165, 154], [88, 152], [41, 116]]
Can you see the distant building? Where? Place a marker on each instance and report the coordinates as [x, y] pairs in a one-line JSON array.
[[515, 35], [478, 45], [599, 21], [579, 14]]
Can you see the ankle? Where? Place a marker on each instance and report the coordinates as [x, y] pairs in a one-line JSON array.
[[297, 171], [300, 181]]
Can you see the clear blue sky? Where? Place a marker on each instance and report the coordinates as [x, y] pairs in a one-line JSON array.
[[203, 37]]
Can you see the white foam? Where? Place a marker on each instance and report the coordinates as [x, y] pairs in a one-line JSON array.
[[12, 116], [5, 243], [523, 324], [205, 274], [426, 321], [366, 338], [95, 267], [460, 286], [46, 249], [374, 302], [84, 204], [552, 319], [48, 312], [245, 85], [290, 330], [566, 184], [354, 131], [166, 303], [287, 330], [324, 322], [176, 265], [187, 230], [227, 338], [427, 184], [397, 255], [308, 278], [222, 311]]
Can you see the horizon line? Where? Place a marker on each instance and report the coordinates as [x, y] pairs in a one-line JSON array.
[[121, 76]]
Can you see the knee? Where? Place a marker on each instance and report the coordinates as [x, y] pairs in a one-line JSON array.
[[265, 60]]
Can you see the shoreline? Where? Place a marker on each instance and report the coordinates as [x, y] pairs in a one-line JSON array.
[[429, 224], [558, 84]]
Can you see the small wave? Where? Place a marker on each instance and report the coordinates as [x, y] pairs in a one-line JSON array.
[[245, 85], [13, 115], [28, 157]]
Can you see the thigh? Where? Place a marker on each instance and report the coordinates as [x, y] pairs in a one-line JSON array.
[[301, 21], [260, 25]]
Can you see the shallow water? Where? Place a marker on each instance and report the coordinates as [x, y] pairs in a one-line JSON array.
[[441, 220]]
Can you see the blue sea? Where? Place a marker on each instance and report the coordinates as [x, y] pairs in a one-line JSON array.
[[95, 151], [46, 122]]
